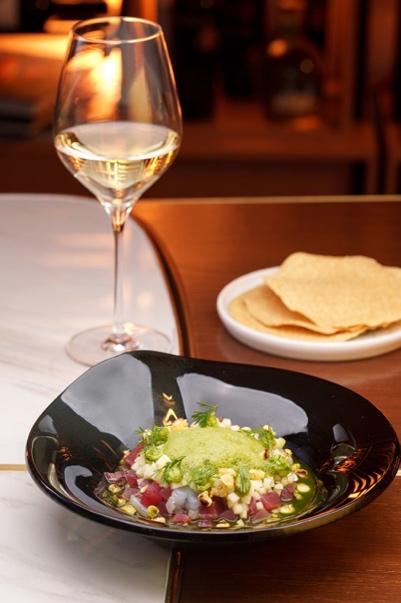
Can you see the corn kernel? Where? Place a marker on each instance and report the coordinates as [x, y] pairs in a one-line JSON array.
[[152, 511], [227, 470], [256, 474], [205, 498], [219, 489], [228, 480], [114, 489], [128, 509], [268, 483], [179, 425]]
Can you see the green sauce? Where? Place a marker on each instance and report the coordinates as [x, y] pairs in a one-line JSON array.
[[222, 447]]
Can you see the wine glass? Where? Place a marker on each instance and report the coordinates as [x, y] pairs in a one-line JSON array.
[[117, 129]]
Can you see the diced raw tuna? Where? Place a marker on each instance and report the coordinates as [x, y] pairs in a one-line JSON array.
[[252, 509], [180, 518], [152, 495], [215, 510], [287, 493], [128, 492], [260, 515], [270, 501], [131, 478], [131, 456], [229, 515], [117, 477], [165, 493]]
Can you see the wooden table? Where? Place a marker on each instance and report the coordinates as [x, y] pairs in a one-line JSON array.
[[205, 244]]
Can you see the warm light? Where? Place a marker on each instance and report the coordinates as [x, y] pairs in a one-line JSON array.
[[108, 72], [105, 86], [277, 48], [35, 45], [170, 415], [114, 7], [140, 109], [58, 26], [147, 9], [100, 82], [354, 495], [85, 61]]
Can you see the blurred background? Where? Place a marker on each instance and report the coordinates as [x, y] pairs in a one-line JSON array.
[[279, 97]]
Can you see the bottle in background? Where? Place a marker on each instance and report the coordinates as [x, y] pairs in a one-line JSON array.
[[240, 24], [292, 67]]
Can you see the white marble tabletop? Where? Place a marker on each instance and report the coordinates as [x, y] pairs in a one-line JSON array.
[[56, 280]]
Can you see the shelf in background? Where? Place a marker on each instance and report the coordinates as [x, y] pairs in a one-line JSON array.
[[224, 158], [241, 130]]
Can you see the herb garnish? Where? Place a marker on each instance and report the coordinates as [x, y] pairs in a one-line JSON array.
[[172, 472], [202, 477], [242, 481], [152, 453], [266, 437], [277, 465], [206, 417], [155, 436]]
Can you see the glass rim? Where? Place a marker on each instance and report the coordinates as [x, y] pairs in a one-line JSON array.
[[86, 37]]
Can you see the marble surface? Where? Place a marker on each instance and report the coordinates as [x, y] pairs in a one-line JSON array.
[[48, 554], [56, 280]]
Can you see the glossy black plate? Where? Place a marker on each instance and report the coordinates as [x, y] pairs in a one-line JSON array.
[[349, 444]]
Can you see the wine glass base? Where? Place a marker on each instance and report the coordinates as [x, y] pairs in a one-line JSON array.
[[94, 345]]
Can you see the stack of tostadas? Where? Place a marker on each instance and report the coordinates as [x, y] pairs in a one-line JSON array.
[[322, 298]]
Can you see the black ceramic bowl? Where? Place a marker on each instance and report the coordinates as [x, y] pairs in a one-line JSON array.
[[349, 444]]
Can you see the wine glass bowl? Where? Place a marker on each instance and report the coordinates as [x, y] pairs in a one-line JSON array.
[[117, 129]]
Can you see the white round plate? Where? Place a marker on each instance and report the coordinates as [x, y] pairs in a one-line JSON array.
[[367, 345]]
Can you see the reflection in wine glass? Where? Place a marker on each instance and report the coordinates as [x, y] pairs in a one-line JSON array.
[[117, 129]]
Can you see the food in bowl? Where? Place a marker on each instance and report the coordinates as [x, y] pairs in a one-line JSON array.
[[210, 474]]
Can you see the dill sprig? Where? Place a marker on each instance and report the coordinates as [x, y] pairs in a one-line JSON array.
[[154, 436], [202, 477], [266, 437], [278, 466], [172, 472], [207, 416]]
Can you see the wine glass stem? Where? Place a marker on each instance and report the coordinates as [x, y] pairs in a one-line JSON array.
[[118, 218]]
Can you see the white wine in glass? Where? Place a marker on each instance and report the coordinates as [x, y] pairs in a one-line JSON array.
[[118, 128]]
